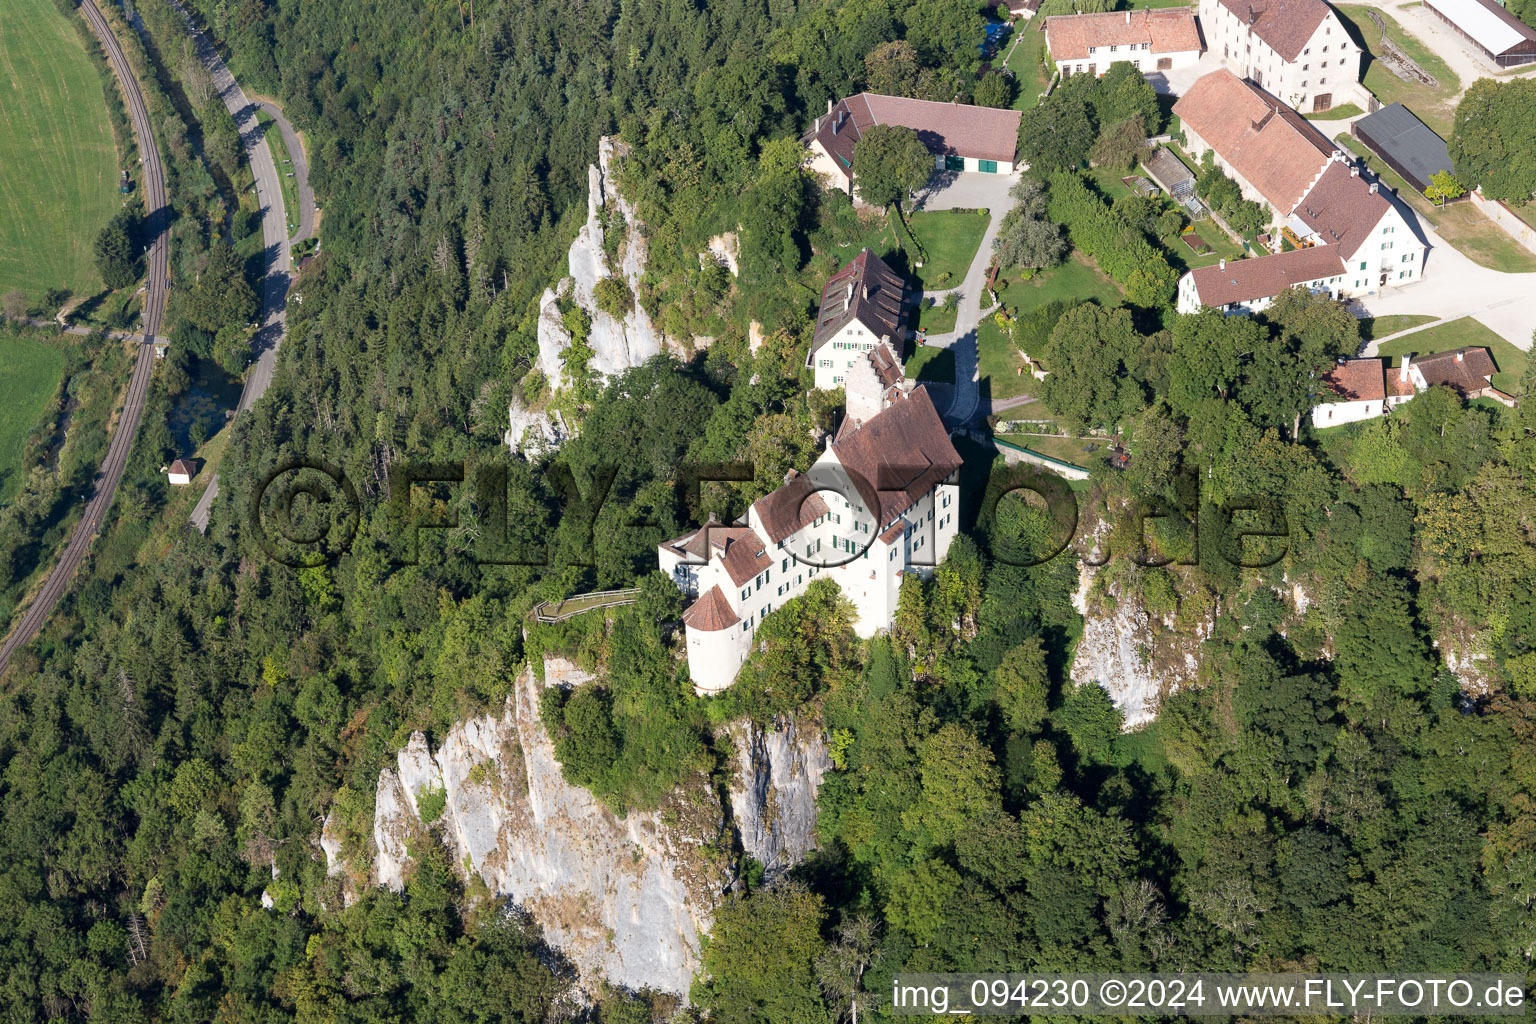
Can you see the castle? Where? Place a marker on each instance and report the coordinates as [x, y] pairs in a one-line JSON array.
[[881, 501]]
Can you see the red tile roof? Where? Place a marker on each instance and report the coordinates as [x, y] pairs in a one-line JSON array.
[[1264, 276], [1261, 138], [1285, 25], [742, 552], [887, 366], [789, 509], [1172, 30], [1356, 380], [949, 129], [711, 612], [867, 290], [1342, 209], [899, 455]]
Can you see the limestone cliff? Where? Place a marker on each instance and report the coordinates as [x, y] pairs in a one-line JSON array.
[[1138, 657], [617, 344], [625, 899]]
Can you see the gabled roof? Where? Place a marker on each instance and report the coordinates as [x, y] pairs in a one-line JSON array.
[[1264, 276], [1170, 30], [946, 129], [898, 456], [1285, 25], [711, 612], [695, 544], [742, 552], [1167, 169], [1491, 26], [867, 290], [887, 366], [789, 509], [1411, 145], [1466, 375], [1261, 138], [183, 467], [1355, 380], [1342, 209]]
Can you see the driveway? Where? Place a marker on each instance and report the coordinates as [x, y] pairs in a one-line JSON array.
[[949, 191]]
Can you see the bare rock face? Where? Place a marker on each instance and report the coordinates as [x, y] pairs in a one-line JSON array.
[[617, 344], [625, 899], [534, 433], [1138, 658], [773, 795], [726, 250]]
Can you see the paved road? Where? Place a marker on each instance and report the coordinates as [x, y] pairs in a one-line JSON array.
[[156, 216], [274, 235], [969, 191], [299, 167]]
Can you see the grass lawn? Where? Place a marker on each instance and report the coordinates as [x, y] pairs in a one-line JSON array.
[[1067, 449], [1461, 224], [58, 162], [284, 168], [936, 319], [1337, 113], [30, 371], [1459, 334], [1433, 106], [1074, 281], [1375, 327], [950, 238], [931, 363], [1027, 62]]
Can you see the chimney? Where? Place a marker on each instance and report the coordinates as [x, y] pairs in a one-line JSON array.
[[864, 292], [850, 293], [1459, 354], [1354, 172], [1403, 374], [829, 106], [1375, 187], [1127, 17], [1223, 265]]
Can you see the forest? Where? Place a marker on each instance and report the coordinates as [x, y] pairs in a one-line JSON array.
[[1328, 797]]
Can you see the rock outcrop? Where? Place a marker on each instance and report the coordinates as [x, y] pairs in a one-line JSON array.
[[773, 795], [1139, 658], [617, 344], [625, 899]]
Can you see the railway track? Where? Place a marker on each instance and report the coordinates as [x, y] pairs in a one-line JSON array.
[[118, 449]]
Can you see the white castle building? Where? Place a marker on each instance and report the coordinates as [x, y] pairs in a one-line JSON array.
[[880, 502]]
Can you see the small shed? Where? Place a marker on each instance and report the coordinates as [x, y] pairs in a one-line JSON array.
[[1407, 145], [182, 471]]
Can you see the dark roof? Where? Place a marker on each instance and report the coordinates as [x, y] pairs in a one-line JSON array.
[[1467, 374], [947, 129], [1342, 208], [789, 509], [1404, 141], [1264, 276], [1167, 169], [1263, 139], [899, 455], [887, 366], [711, 612], [1285, 25], [866, 290], [1356, 380]]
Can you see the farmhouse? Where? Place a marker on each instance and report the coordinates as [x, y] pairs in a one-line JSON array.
[[960, 136], [1249, 286], [1495, 33], [1297, 49], [862, 305], [1158, 40], [1316, 191], [1409, 146], [1357, 389], [880, 502]]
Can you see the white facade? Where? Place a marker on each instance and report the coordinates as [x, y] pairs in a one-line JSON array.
[[835, 358], [1333, 414], [1143, 58], [737, 576], [1323, 74]]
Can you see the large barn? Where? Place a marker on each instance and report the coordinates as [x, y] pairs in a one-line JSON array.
[[1409, 146], [1499, 35]]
